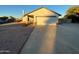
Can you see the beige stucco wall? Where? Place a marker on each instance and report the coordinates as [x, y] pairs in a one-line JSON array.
[[25, 19], [42, 12]]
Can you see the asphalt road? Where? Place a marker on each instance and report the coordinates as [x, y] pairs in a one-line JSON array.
[[63, 39], [12, 37]]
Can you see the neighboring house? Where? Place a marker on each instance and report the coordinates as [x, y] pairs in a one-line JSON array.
[[41, 16], [6, 19], [3, 19]]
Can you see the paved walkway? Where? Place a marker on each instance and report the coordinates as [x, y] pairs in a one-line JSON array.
[[52, 39]]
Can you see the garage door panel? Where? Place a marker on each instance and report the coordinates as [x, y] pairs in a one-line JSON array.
[[46, 20]]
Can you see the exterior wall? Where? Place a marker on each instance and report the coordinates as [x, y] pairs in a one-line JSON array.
[[25, 19], [31, 19], [68, 20], [41, 16], [45, 13], [64, 20]]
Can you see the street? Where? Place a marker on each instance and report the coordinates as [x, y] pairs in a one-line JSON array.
[[12, 37]]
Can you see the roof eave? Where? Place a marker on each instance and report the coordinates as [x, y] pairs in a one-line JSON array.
[[40, 8]]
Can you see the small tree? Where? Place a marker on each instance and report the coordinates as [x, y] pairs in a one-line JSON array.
[[72, 12]]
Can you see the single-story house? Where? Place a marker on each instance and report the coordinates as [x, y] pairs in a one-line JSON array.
[[41, 16]]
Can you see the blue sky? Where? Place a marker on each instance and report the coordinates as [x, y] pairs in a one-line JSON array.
[[16, 10]]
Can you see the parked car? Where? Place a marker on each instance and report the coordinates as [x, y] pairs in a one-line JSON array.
[[6, 19]]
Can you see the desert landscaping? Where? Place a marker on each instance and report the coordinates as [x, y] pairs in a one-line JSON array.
[[41, 31]]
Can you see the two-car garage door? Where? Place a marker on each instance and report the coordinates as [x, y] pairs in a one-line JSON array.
[[46, 20]]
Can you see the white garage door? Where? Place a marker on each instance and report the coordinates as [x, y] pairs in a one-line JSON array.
[[46, 20]]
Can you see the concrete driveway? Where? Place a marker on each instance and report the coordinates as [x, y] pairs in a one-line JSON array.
[[63, 39]]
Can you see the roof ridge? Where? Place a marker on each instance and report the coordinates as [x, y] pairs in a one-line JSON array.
[[41, 8]]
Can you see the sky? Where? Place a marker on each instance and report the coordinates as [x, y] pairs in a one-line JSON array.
[[17, 10]]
